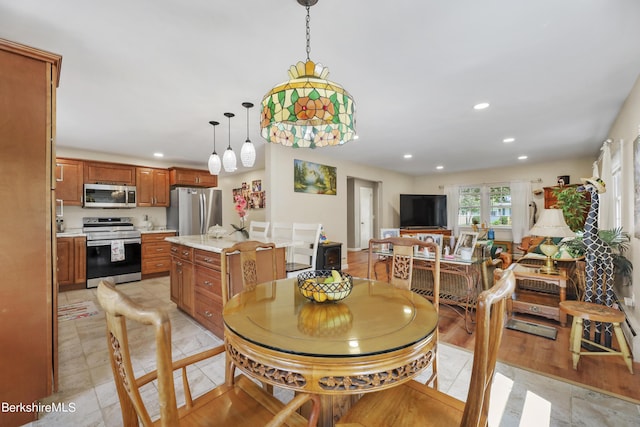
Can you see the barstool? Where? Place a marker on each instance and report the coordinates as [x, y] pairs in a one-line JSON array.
[[596, 313]]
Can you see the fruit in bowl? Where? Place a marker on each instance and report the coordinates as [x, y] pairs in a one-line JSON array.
[[324, 285]]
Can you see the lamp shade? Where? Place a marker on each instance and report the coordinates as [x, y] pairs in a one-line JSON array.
[[248, 154], [229, 160], [214, 164], [551, 224], [308, 110]]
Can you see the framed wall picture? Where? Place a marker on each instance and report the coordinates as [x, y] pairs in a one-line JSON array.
[[465, 245], [309, 177]]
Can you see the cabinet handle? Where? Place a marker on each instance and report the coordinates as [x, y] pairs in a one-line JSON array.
[[159, 265], [61, 172], [179, 264], [207, 313], [208, 283], [61, 208], [174, 249], [209, 260]]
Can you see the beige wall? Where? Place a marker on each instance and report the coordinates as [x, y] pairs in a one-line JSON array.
[[283, 204], [626, 129]]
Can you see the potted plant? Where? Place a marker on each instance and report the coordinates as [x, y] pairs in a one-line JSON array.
[[618, 240], [574, 205]]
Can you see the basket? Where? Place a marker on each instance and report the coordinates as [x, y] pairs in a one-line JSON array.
[[312, 286]]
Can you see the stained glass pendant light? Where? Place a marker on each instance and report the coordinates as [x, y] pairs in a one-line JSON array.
[[229, 158], [308, 110], [248, 151], [214, 160]]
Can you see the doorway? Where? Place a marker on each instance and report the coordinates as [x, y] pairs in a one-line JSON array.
[[363, 212], [366, 216]]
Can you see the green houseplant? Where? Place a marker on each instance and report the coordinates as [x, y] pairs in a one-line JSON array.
[[618, 240], [574, 205]]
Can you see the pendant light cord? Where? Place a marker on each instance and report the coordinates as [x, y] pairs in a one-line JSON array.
[[308, 33]]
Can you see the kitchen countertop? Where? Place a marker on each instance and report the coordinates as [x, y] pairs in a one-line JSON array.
[[156, 230], [77, 232], [211, 244]]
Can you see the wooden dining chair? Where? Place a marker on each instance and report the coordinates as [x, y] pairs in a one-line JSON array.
[[238, 401], [247, 255], [401, 274], [414, 404]]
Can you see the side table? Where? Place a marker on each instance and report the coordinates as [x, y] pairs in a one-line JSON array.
[[539, 301]]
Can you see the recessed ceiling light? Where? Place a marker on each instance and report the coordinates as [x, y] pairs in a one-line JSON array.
[[356, 137], [439, 167], [408, 156], [523, 157], [481, 106], [158, 155], [508, 140]]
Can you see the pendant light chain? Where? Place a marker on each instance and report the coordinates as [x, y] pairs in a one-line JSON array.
[[308, 33]]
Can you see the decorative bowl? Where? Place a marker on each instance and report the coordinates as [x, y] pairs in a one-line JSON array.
[[324, 285]]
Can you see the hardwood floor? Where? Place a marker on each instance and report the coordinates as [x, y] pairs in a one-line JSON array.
[[542, 355]]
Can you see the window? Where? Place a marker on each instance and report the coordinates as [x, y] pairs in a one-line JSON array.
[[485, 204]]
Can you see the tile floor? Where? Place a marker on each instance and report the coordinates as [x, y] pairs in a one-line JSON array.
[[519, 397]]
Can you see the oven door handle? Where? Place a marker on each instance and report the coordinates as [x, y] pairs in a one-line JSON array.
[[91, 243]]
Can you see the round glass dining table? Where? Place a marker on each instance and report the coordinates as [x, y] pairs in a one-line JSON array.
[[377, 337]]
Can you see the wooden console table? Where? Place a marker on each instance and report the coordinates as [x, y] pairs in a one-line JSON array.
[[539, 302]]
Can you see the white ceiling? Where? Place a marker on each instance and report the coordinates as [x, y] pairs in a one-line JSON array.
[[144, 76]]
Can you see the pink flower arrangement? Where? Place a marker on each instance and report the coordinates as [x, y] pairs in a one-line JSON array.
[[241, 208]]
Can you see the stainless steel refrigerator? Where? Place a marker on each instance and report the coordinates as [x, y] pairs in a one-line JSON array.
[[194, 210]]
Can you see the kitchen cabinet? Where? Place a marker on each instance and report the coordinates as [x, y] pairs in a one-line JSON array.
[[69, 182], [153, 187], [109, 173], [71, 263], [64, 261], [196, 281], [182, 278], [28, 295], [192, 178], [156, 258]]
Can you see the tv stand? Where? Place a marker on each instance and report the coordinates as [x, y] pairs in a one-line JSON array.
[[409, 231]]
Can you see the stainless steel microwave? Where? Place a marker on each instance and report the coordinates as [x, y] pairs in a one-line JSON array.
[[109, 196]]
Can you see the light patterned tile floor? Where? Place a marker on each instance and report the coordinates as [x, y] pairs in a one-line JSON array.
[[519, 398]]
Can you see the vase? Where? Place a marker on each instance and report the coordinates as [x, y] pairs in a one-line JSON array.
[[240, 236]]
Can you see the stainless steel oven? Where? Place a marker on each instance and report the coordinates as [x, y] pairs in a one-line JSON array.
[[114, 250]]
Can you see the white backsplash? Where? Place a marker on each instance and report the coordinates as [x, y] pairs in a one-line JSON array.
[[73, 215]]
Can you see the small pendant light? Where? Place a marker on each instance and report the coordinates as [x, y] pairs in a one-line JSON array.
[[214, 160], [229, 157], [248, 152]]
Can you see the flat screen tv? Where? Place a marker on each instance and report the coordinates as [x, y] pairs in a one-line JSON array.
[[423, 210]]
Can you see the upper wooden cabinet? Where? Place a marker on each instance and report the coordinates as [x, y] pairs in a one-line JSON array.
[[109, 173], [69, 181], [192, 178], [153, 187]]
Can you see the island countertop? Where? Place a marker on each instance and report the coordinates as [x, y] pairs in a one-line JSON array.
[[207, 243]]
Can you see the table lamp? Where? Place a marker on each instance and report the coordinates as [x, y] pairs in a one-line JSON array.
[[550, 224]]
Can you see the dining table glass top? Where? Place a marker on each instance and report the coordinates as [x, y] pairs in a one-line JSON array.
[[375, 318]]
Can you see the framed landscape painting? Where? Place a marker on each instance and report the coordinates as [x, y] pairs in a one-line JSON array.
[[314, 178]]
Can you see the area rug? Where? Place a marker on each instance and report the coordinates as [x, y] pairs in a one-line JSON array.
[[532, 328], [77, 310]]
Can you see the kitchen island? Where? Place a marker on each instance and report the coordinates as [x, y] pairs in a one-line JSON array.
[[196, 276]]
